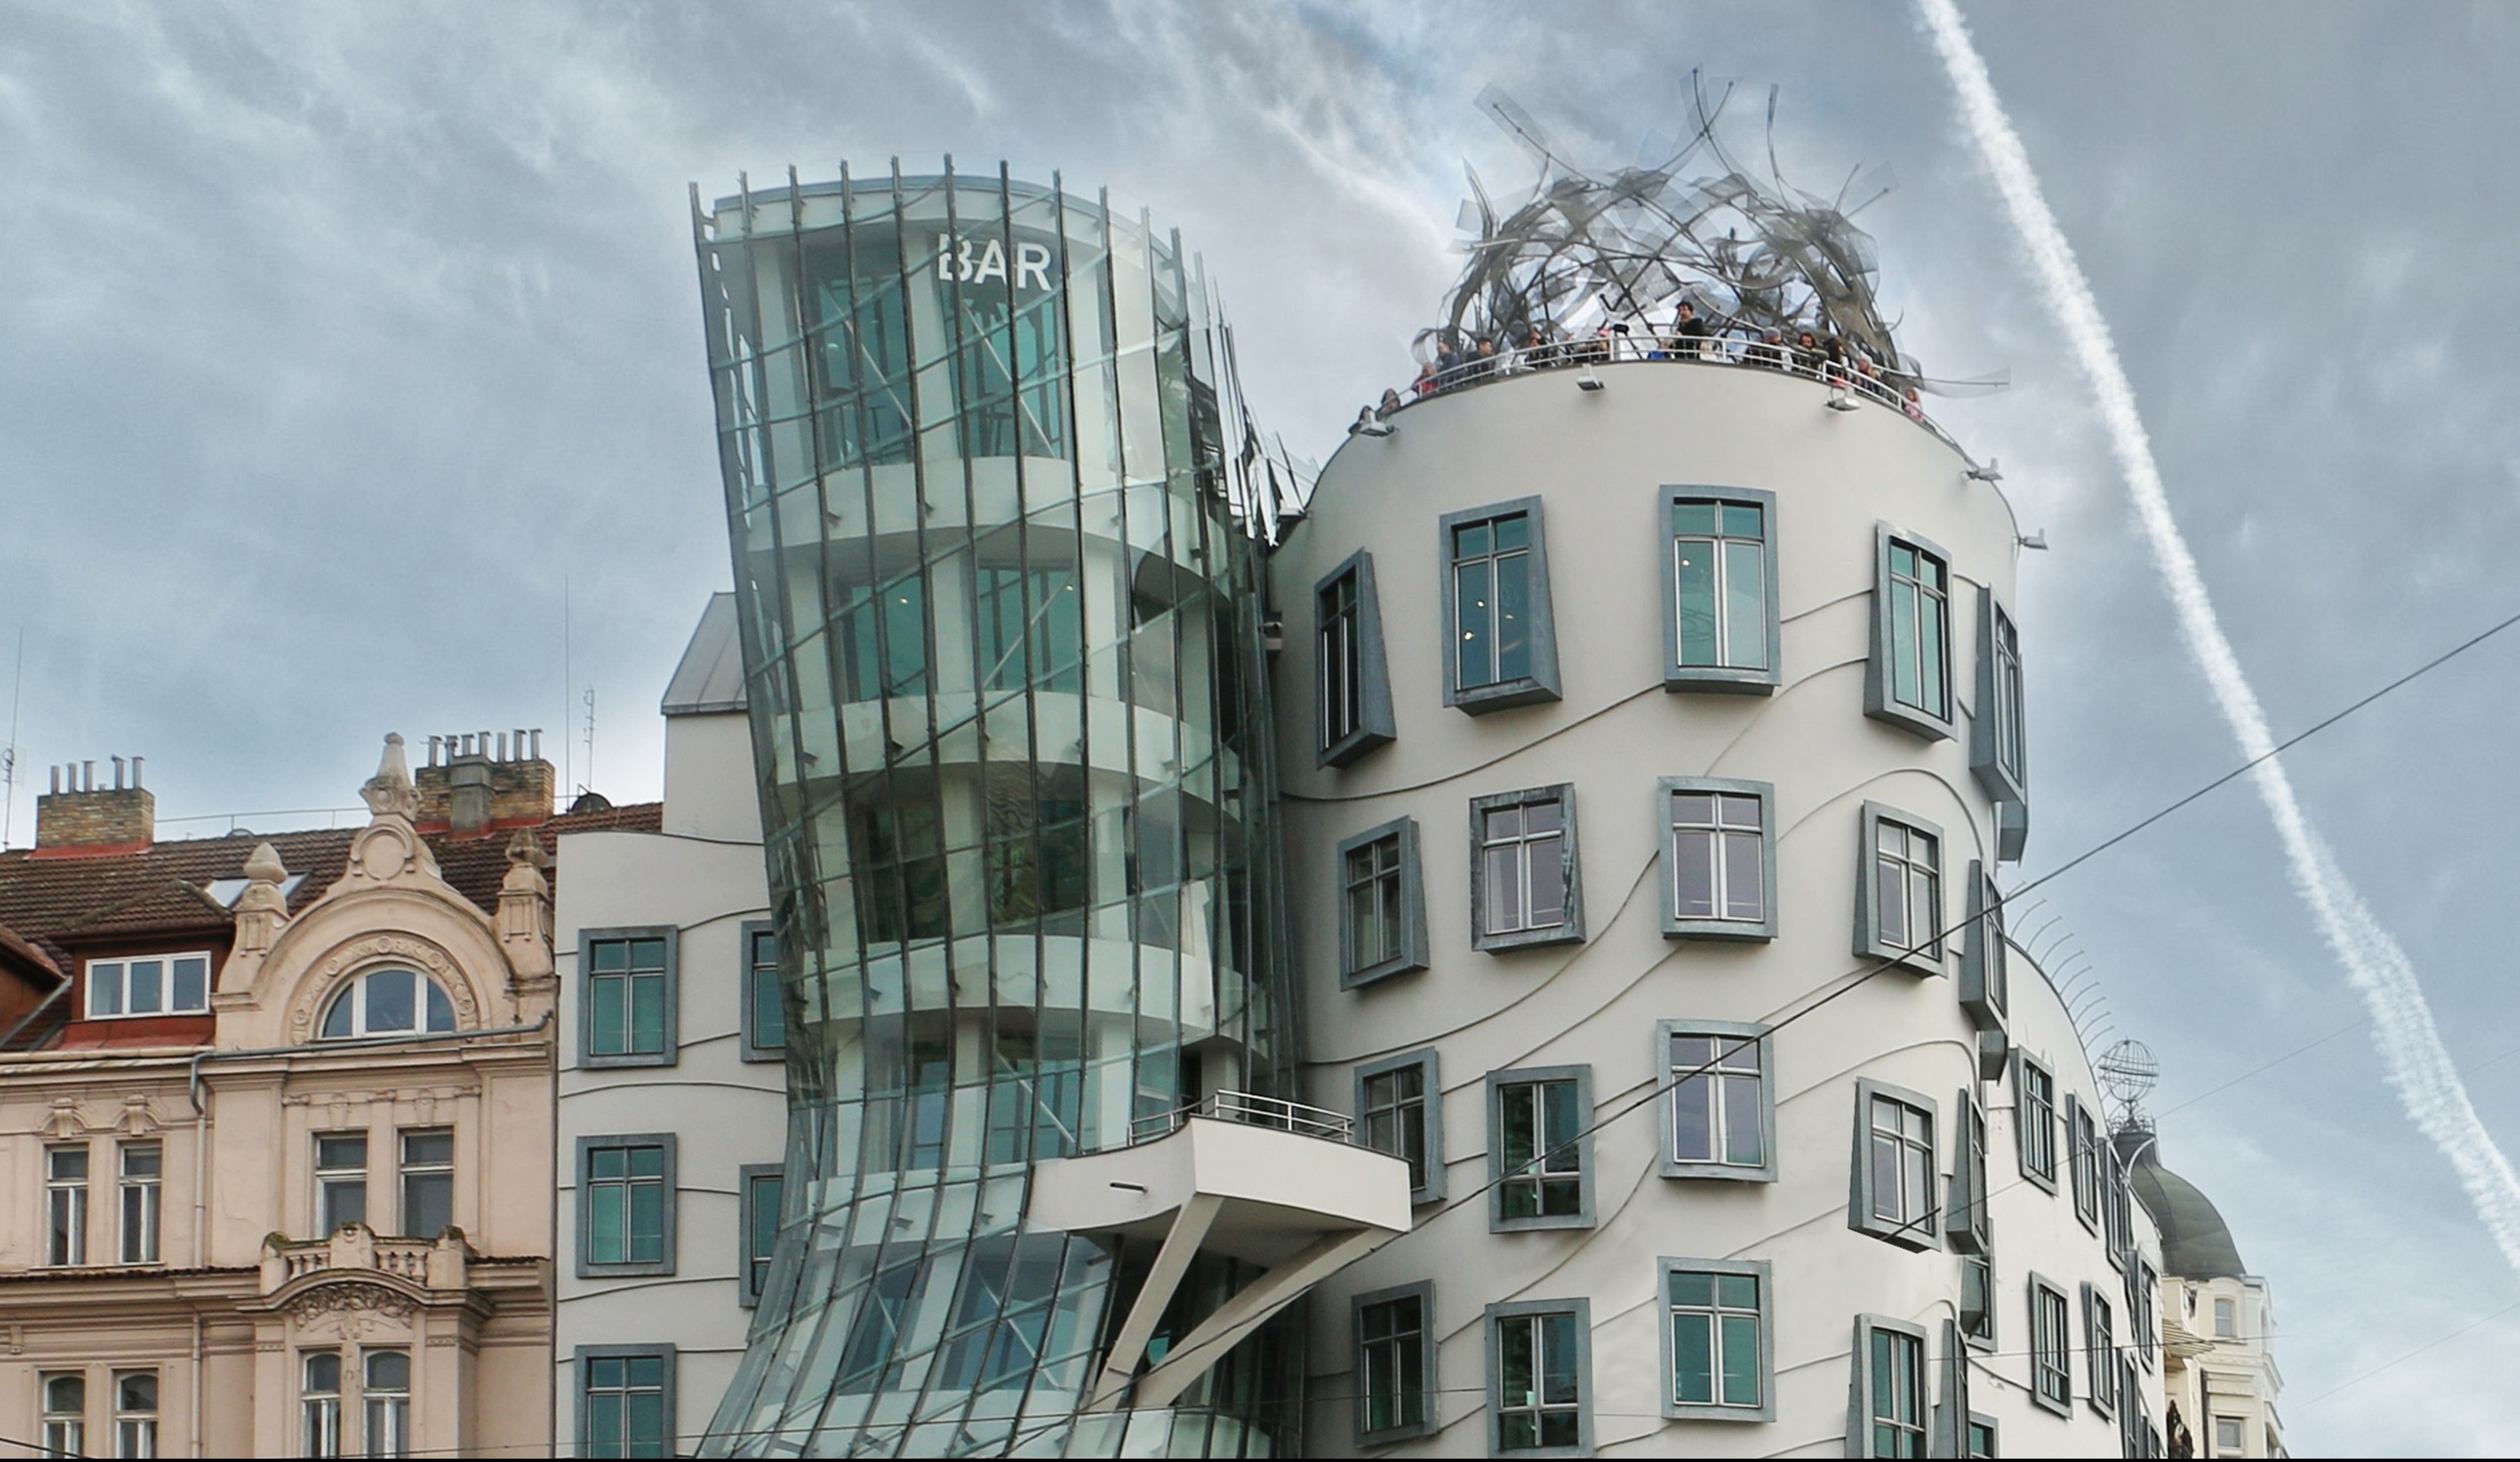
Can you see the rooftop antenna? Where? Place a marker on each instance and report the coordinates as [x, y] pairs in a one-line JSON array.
[[565, 685], [9, 753], [590, 740]]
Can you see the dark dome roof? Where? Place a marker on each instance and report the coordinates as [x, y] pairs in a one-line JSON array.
[[2196, 1241]]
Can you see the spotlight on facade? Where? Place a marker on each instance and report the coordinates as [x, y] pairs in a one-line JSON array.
[[2038, 540], [1986, 474], [1588, 381], [1375, 429], [1841, 397]]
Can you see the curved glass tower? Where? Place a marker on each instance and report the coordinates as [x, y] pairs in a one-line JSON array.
[[1001, 631]]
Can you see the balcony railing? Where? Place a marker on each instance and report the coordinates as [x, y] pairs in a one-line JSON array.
[[356, 1247], [1250, 1109]]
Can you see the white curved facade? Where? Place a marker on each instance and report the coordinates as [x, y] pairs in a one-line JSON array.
[[1602, 465]]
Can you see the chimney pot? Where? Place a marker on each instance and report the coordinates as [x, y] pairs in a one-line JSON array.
[[87, 776], [57, 779], [135, 773], [118, 773]]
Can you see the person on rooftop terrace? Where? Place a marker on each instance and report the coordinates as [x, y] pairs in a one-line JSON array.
[[1770, 351], [1807, 353], [1390, 403], [1484, 364], [1915, 408], [1425, 383], [1695, 338]]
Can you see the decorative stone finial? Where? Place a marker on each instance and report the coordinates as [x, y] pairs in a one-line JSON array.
[[389, 793], [264, 865]]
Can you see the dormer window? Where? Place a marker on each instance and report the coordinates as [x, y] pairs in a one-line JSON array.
[[225, 891], [389, 1002], [156, 985]]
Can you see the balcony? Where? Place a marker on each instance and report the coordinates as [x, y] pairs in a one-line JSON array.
[[1273, 1183], [355, 1250]]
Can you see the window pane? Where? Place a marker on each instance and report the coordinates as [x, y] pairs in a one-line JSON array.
[[191, 983], [1742, 521], [647, 1223], [1745, 606], [1903, 644], [603, 1220], [1692, 857], [1504, 888], [1693, 576], [441, 1012], [1930, 648], [1886, 1176], [1740, 1360], [1745, 893], [1560, 1383], [1890, 903], [1743, 1142], [1693, 1128], [1476, 617], [1512, 534], [1694, 518], [610, 1036], [146, 998], [1471, 540], [1514, 617], [648, 1014], [391, 1000], [1692, 1358], [1548, 881]]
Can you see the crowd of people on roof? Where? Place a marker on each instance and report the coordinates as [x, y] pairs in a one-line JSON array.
[[1463, 359]]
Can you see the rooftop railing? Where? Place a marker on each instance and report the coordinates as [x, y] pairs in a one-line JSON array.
[[1250, 1109]]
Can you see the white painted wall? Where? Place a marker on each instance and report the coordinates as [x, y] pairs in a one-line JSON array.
[[1598, 460]]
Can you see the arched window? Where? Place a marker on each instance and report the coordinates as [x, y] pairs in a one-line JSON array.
[[389, 1002]]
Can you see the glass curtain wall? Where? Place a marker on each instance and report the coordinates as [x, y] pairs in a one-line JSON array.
[[1000, 621]]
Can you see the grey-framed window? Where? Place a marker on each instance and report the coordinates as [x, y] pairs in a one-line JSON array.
[[1501, 645], [1999, 745], [1382, 905], [1540, 1148], [625, 1400], [2118, 1196], [1981, 1437], [2051, 1343], [1719, 1117], [1890, 1414], [1526, 880], [1977, 1302], [2083, 1146], [761, 1186], [1898, 890], [2099, 1350], [1986, 987], [2144, 1309], [427, 1173], [1719, 1359], [629, 996], [765, 1005], [1540, 1377], [1400, 1111], [1719, 575], [1972, 1217], [1908, 681], [625, 1204], [2134, 1425], [1396, 1352], [341, 1181], [1895, 1167], [1352, 679], [1719, 865], [2034, 1118]]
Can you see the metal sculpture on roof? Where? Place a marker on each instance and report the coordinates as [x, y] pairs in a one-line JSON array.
[[1749, 252]]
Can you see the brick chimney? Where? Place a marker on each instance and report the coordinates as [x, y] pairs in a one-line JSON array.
[[78, 815], [477, 781]]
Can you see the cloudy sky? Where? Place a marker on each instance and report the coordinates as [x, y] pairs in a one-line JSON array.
[[334, 340]]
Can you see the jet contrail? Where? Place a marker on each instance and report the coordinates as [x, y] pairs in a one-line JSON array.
[[2402, 1022]]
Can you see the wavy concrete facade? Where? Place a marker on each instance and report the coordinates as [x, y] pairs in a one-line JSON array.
[[1580, 702]]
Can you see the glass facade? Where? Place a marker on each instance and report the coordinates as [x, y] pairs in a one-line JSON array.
[[990, 493]]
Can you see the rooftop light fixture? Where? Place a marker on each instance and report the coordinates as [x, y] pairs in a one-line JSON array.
[[2038, 540], [1588, 381], [1841, 396], [1375, 429], [1986, 474]]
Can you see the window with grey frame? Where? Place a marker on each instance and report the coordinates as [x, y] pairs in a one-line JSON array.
[[1382, 905], [1717, 1349], [627, 996], [1540, 1148], [1908, 681], [2083, 1146], [1719, 1117], [1396, 1349], [761, 1185], [1525, 880], [1981, 1438], [2117, 1198], [1986, 991], [1896, 1172], [1899, 896], [2099, 1350], [625, 1401], [2144, 1307], [1977, 1302], [2052, 1366], [765, 1008], [1720, 626], [1971, 1216], [625, 1204], [1502, 648], [1400, 1111], [1540, 1360], [2035, 1119], [1354, 681], [1890, 1384], [1999, 743], [1719, 859]]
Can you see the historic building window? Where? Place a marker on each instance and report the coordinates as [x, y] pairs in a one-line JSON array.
[[1889, 1388], [2051, 1376], [2100, 1349], [1496, 609], [1894, 1168], [765, 1012], [135, 1413], [762, 1187], [319, 1404], [1909, 680], [1540, 1147], [2036, 1086], [629, 997], [1539, 1362], [427, 1181], [1525, 884], [341, 1181], [1719, 859], [389, 1002], [1998, 747], [625, 1204], [66, 1205], [1354, 680], [1720, 624], [625, 1401], [387, 1383], [1719, 1120], [1395, 1364], [143, 1166], [1899, 901], [1400, 1111], [64, 1400], [1716, 1340], [159, 985], [1382, 905]]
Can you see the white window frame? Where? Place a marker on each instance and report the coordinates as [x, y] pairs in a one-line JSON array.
[[2051, 1345], [1553, 1154], [328, 1179], [2083, 1143], [115, 976], [2035, 1119], [1871, 941], [1407, 880], [1866, 1411], [139, 1204], [1998, 742], [1429, 1350], [1348, 638], [1541, 681], [1969, 1221], [64, 1426], [1430, 1124], [66, 1205], [1723, 676], [1880, 679], [1499, 1316], [135, 1429], [1763, 1315], [424, 1010], [1570, 930], [1719, 837], [385, 1413], [2100, 1349], [406, 1169], [1737, 1046], [1920, 1164], [319, 1411]]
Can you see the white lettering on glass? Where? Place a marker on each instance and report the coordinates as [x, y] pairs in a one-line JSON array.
[[965, 261]]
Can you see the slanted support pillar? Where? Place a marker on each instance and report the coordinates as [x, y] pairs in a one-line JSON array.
[[1189, 1227], [1250, 1307]]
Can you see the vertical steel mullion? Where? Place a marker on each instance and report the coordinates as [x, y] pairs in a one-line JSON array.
[[1063, 324]]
